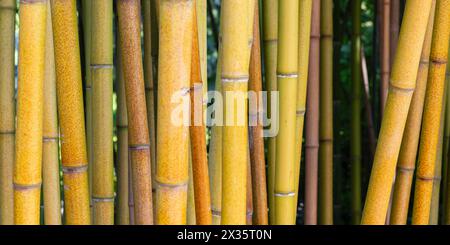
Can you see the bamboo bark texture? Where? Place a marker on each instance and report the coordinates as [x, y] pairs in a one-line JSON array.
[[138, 137], [7, 109], [403, 79], [432, 114], [410, 142]]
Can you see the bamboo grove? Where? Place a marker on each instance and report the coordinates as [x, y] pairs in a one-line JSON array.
[[224, 112]]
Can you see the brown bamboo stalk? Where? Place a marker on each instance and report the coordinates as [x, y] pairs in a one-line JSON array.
[[385, 52], [394, 28], [138, 137]]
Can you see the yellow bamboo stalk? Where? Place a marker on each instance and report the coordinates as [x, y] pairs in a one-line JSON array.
[[403, 78], [202, 39], [432, 114], [287, 74], [234, 77], [7, 110], [102, 124], [138, 137], [270, 40], [28, 165], [71, 114], [174, 69], [190, 212], [410, 142], [122, 149], [50, 153], [446, 213]]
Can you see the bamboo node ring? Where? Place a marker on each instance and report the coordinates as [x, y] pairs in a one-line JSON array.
[[284, 194], [171, 186], [26, 186], [74, 170], [243, 79], [287, 75], [103, 199], [8, 132]]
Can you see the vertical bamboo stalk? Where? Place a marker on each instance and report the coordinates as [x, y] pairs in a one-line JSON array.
[[234, 77], [174, 70], [190, 212], [249, 197], [325, 212], [410, 142], [102, 125], [138, 137], [28, 164], [202, 40], [122, 149], [394, 27], [403, 78], [355, 140], [446, 213], [304, 39], [287, 76], [368, 105], [432, 114], [385, 52], [312, 120], [270, 40], [50, 153], [70, 111], [256, 146], [7, 108]]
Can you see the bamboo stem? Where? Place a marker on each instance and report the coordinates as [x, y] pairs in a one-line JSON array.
[[138, 137], [50, 138], [446, 213], [432, 114], [368, 110], [385, 52], [403, 78], [190, 212], [394, 27], [7, 108]]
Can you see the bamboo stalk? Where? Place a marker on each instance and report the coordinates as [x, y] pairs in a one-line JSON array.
[[198, 135], [403, 77], [201, 8], [256, 146], [122, 148], [70, 111], [174, 70], [304, 39], [138, 137], [410, 142], [312, 120], [28, 158], [385, 52], [287, 76], [270, 40], [445, 147], [234, 77], [432, 114], [394, 27], [190, 212], [102, 125], [325, 202], [50, 138], [368, 110], [7, 108], [446, 213], [355, 140]]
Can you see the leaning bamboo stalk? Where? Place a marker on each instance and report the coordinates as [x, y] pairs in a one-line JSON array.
[[445, 147], [7, 108], [432, 114], [256, 146], [304, 39], [403, 78], [368, 105], [50, 153], [355, 140], [102, 124], [287, 75], [197, 132], [138, 137], [234, 77], [385, 52], [270, 40], [175, 35], [312, 120], [123, 215], [325, 202], [70, 111], [28, 158], [410, 142]]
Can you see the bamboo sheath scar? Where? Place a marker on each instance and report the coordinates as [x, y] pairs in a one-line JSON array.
[[138, 137], [432, 114], [234, 77], [101, 65], [50, 137], [270, 41], [312, 120], [7, 110], [410, 142], [28, 158], [71, 114], [304, 39], [174, 70], [287, 76], [403, 79]]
